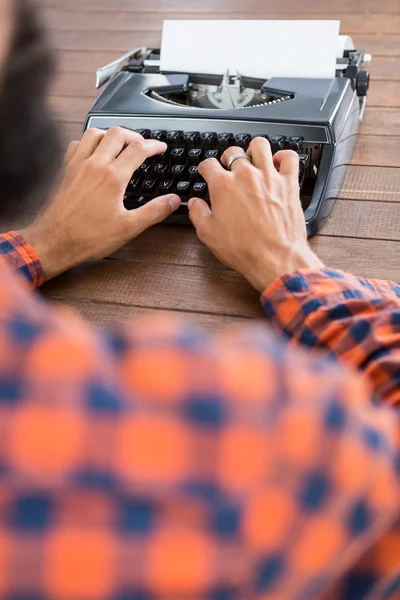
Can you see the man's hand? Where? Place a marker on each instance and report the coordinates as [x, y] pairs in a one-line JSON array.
[[86, 220], [256, 225]]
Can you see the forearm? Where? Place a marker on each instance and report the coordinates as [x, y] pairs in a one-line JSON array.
[[357, 320]]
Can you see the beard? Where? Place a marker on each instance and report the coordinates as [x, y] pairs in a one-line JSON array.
[[29, 144]]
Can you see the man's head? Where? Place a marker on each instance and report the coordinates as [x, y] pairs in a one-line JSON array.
[[29, 146]]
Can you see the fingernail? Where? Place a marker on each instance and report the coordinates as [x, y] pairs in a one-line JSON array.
[[191, 202], [174, 202]]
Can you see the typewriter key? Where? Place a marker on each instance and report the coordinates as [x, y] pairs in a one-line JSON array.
[[183, 188], [174, 137], [277, 143], [144, 133], [178, 170], [160, 170], [194, 156], [295, 143], [304, 160], [211, 154], [149, 186], [209, 139], [133, 185], [190, 138], [200, 189], [146, 168], [177, 156], [243, 140], [159, 134], [194, 174], [166, 187], [225, 140]]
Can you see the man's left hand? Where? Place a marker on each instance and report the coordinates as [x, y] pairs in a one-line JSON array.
[[86, 220]]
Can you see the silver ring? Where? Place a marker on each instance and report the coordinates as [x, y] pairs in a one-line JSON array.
[[236, 157]]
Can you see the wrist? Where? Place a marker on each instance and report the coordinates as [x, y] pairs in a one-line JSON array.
[[272, 266], [45, 250]]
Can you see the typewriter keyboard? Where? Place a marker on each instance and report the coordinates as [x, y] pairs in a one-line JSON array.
[[176, 170]]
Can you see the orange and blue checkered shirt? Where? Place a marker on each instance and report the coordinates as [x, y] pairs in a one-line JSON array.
[[156, 463]]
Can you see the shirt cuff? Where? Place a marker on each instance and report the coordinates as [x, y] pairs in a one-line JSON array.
[[19, 257]]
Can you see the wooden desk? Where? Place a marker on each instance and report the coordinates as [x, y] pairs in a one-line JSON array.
[[167, 268]]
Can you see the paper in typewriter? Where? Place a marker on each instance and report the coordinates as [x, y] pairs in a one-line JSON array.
[[261, 49]]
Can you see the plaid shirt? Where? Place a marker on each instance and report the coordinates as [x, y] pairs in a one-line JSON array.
[[156, 463]]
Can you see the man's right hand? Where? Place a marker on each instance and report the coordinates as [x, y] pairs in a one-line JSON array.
[[256, 224], [86, 220]]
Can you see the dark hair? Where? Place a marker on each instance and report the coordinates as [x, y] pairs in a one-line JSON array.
[[29, 147]]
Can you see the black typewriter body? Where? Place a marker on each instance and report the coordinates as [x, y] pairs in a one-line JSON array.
[[200, 116]]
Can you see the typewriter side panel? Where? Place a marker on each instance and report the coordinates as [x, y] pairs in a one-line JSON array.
[[335, 159]]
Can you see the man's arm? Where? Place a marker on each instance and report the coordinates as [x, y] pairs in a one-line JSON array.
[[256, 225], [86, 219], [159, 463], [357, 320]]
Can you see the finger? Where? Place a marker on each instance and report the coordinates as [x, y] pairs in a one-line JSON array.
[[238, 165], [287, 163], [152, 212], [135, 154], [88, 144], [261, 154], [113, 142], [72, 148], [211, 169], [201, 216]]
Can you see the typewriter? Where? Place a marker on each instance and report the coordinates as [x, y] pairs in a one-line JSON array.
[[199, 116]]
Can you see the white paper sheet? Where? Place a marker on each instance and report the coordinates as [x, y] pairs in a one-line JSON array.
[[262, 49], [345, 42]]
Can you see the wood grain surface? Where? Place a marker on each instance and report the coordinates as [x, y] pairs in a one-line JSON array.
[[167, 268], [252, 7]]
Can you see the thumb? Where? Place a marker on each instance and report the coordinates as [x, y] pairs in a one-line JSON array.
[[199, 214], [154, 212], [72, 148]]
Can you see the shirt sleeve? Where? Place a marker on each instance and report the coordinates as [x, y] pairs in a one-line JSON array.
[[355, 319], [19, 257], [157, 462]]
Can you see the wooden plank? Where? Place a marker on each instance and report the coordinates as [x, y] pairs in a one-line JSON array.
[[71, 109], [351, 24], [384, 93], [365, 219], [384, 68], [374, 150], [367, 258], [123, 40], [169, 244], [74, 84], [381, 121], [371, 183], [208, 291], [109, 314], [288, 7], [118, 41], [377, 150], [379, 45], [181, 246], [162, 286], [83, 61]]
